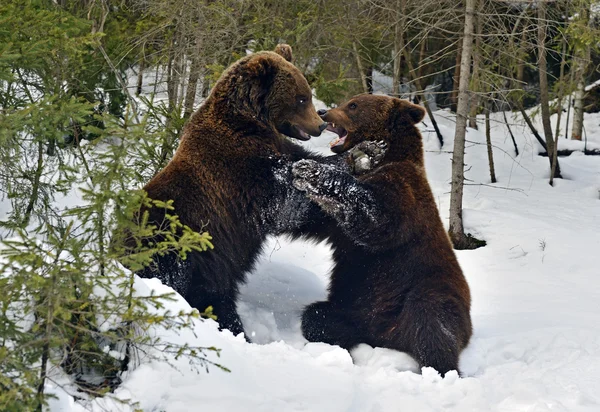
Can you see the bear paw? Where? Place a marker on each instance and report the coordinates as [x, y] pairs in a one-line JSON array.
[[366, 155], [306, 175]]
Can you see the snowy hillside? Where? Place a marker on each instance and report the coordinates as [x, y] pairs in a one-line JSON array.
[[536, 306]]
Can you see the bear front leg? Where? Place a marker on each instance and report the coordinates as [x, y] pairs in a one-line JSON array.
[[322, 322], [352, 203]]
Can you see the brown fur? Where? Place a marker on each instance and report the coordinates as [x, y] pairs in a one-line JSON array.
[[396, 282], [231, 176]]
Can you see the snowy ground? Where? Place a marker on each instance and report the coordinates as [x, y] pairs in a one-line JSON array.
[[536, 306]]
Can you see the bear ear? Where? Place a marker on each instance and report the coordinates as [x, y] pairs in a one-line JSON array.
[[403, 112], [417, 113], [285, 51], [254, 83]]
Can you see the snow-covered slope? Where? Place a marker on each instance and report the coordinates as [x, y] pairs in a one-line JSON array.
[[536, 306]]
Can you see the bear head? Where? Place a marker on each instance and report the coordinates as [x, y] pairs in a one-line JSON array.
[[266, 88], [368, 117]]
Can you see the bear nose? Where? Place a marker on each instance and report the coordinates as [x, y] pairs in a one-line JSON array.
[[321, 112], [323, 126]]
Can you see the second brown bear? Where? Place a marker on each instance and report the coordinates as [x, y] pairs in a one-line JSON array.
[[396, 282]]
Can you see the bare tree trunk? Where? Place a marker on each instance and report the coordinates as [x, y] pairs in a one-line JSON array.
[[512, 136], [190, 93], [370, 78], [361, 70], [140, 76], [521, 62], [582, 59], [35, 190], [398, 45], [456, 229], [475, 77], [577, 130], [578, 100], [205, 85], [532, 127], [561, 88], [457, 70], [488, 140], [544, 95], [419, 85], [571, 75]]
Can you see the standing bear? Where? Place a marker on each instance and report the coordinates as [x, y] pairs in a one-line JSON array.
[[231, 176], [396, 281]]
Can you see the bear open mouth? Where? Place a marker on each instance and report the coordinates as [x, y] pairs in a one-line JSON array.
[[340, 131], [294, 131], [303, 134]]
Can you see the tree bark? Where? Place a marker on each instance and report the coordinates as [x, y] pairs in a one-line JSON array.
[[457, 70], [532, 127], [140, 76], [488, 141], [190, 93], [419, 85], [512, 136], [475, 77], [370, 78], [582, 58], [361, 70], [398, 46], [456, 229], [561, 88], [544, 94]]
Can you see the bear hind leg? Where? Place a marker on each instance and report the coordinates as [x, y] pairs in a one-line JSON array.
[[436, 336]]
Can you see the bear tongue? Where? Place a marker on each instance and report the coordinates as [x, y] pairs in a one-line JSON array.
[[304, 134]]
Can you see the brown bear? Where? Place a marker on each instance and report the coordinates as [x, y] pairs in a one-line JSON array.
[[396, 281], [231, 176]]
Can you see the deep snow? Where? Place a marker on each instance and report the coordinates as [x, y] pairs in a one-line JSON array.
[[536, 306]]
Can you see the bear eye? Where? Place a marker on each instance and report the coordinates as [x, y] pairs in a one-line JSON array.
[[302, 100], [352, 106]]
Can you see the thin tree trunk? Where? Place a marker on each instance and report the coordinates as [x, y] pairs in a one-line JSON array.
[[521, 55], [419, 85], [578, 100], [582, 58], [569, 102], [359, 65], [398, 46], [190, 93], [35, 190], [205, 85], [140, 76], [172, 79], [456, 229], [561, 88], [43, 372], [544, 94], [474, 103], [421, 56], [512, 136], [488, 140], [532, 127], [457, 70]]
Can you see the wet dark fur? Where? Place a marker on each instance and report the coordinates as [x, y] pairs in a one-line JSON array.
[[231, 176], [396, 281]]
